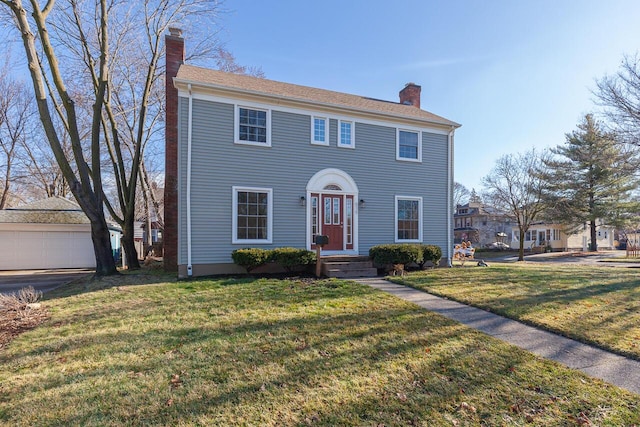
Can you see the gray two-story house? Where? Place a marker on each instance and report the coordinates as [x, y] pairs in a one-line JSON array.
[[253, 162]]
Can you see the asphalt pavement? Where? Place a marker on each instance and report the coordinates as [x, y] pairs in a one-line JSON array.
[[42, 280]]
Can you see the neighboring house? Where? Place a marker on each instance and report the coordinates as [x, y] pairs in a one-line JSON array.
[[49, 233], [258, 163], [543, 235], [481, 225]]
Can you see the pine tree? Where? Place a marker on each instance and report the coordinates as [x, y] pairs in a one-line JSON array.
[[590, 179]]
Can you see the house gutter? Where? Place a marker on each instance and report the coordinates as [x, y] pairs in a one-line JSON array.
[[450, 198], [231, 91], [189, 133]]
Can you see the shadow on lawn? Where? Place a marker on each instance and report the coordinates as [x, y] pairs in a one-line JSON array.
[[352, 369], [266, 352]]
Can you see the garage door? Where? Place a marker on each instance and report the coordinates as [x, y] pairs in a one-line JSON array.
[[25, 250]]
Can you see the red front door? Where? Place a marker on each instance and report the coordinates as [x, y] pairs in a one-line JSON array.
[[332, 221]]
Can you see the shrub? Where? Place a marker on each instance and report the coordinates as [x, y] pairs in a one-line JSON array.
[[250, 258], [404, 253], [431, 253], [292, 257]]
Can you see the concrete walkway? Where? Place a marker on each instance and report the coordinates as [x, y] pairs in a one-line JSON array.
[[612, 368]]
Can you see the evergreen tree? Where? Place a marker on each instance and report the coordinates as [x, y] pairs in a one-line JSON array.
[[590, 179]]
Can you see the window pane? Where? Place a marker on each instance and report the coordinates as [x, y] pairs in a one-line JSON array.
[[252, 211], [327, 210], [253, 125], [408, 145], [314, 217], [345, 133], [319, 130], [408, 220], [349, 220], [336, 210]]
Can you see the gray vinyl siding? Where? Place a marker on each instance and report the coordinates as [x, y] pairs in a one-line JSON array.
[[218, 164]]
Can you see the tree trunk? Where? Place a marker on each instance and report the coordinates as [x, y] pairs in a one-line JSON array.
[[593, 246], [521, 250], [105, 264], [129, 246]]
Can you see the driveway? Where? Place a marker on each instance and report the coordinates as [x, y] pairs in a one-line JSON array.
[[582, 258], [42, 280]]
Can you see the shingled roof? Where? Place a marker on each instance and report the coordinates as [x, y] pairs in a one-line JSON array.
[[255, 85], [53, 210]]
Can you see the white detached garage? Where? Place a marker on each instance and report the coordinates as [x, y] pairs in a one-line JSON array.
[[49, 233]]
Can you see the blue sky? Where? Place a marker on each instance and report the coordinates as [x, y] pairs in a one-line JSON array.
[[515, 74]]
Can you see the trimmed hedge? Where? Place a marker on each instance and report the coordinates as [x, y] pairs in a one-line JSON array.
[[250, 258], [431, 253], [405, 253], [292, 257], [289, 258], [402, 253]]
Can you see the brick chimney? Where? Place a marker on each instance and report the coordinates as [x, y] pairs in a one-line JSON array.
[[410, 95], [174, 44]]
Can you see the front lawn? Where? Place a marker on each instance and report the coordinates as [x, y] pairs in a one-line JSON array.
[[598, 305], [281, 353]]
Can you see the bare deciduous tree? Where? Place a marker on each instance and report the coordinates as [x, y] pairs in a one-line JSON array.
[[16, 114], [619, 94], [460, 194], [515, 187]]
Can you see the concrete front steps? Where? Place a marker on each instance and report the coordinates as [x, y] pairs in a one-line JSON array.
[[345, 266]]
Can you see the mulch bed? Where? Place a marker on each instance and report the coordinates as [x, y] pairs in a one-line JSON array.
[[14, 323]]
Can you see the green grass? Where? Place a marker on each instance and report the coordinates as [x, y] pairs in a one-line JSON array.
[[279, 353], [598, 305]]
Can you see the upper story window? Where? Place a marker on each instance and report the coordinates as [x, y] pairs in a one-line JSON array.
[[409, 146], [253, 126], [319, 131], [345, 134]]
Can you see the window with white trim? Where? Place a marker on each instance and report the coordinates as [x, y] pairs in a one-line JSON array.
[[319, 130], [345, 134], [252, 215], [314, 218], [408, 219], [408, 145], [253, 126]]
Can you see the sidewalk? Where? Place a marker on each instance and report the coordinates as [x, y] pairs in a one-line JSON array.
[[609, 367]]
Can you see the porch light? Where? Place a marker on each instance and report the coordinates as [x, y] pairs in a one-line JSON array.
[[361, 204], [303, 201]]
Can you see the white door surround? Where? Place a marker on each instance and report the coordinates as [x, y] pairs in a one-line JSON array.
[[336, 182]]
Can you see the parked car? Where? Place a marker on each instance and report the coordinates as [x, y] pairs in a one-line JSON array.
[[498, 246]]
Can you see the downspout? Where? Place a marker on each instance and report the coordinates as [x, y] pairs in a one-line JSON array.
[[450, 199], [189, 132]]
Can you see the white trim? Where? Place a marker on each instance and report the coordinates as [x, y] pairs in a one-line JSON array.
[[406, 159], [189, 141], [420, 219], [236, 124], [276, 100], [329, 176], [352, 125], [326, 130], [450, 207], [316, 184], [234, 221], [392, 122]]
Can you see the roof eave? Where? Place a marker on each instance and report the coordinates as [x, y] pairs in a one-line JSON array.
[[181, 83]]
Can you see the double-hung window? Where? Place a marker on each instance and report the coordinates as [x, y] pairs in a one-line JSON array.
[[408, 219], [252, 215], [409, 145], [253, 126], [345, 134], [319, 130]]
